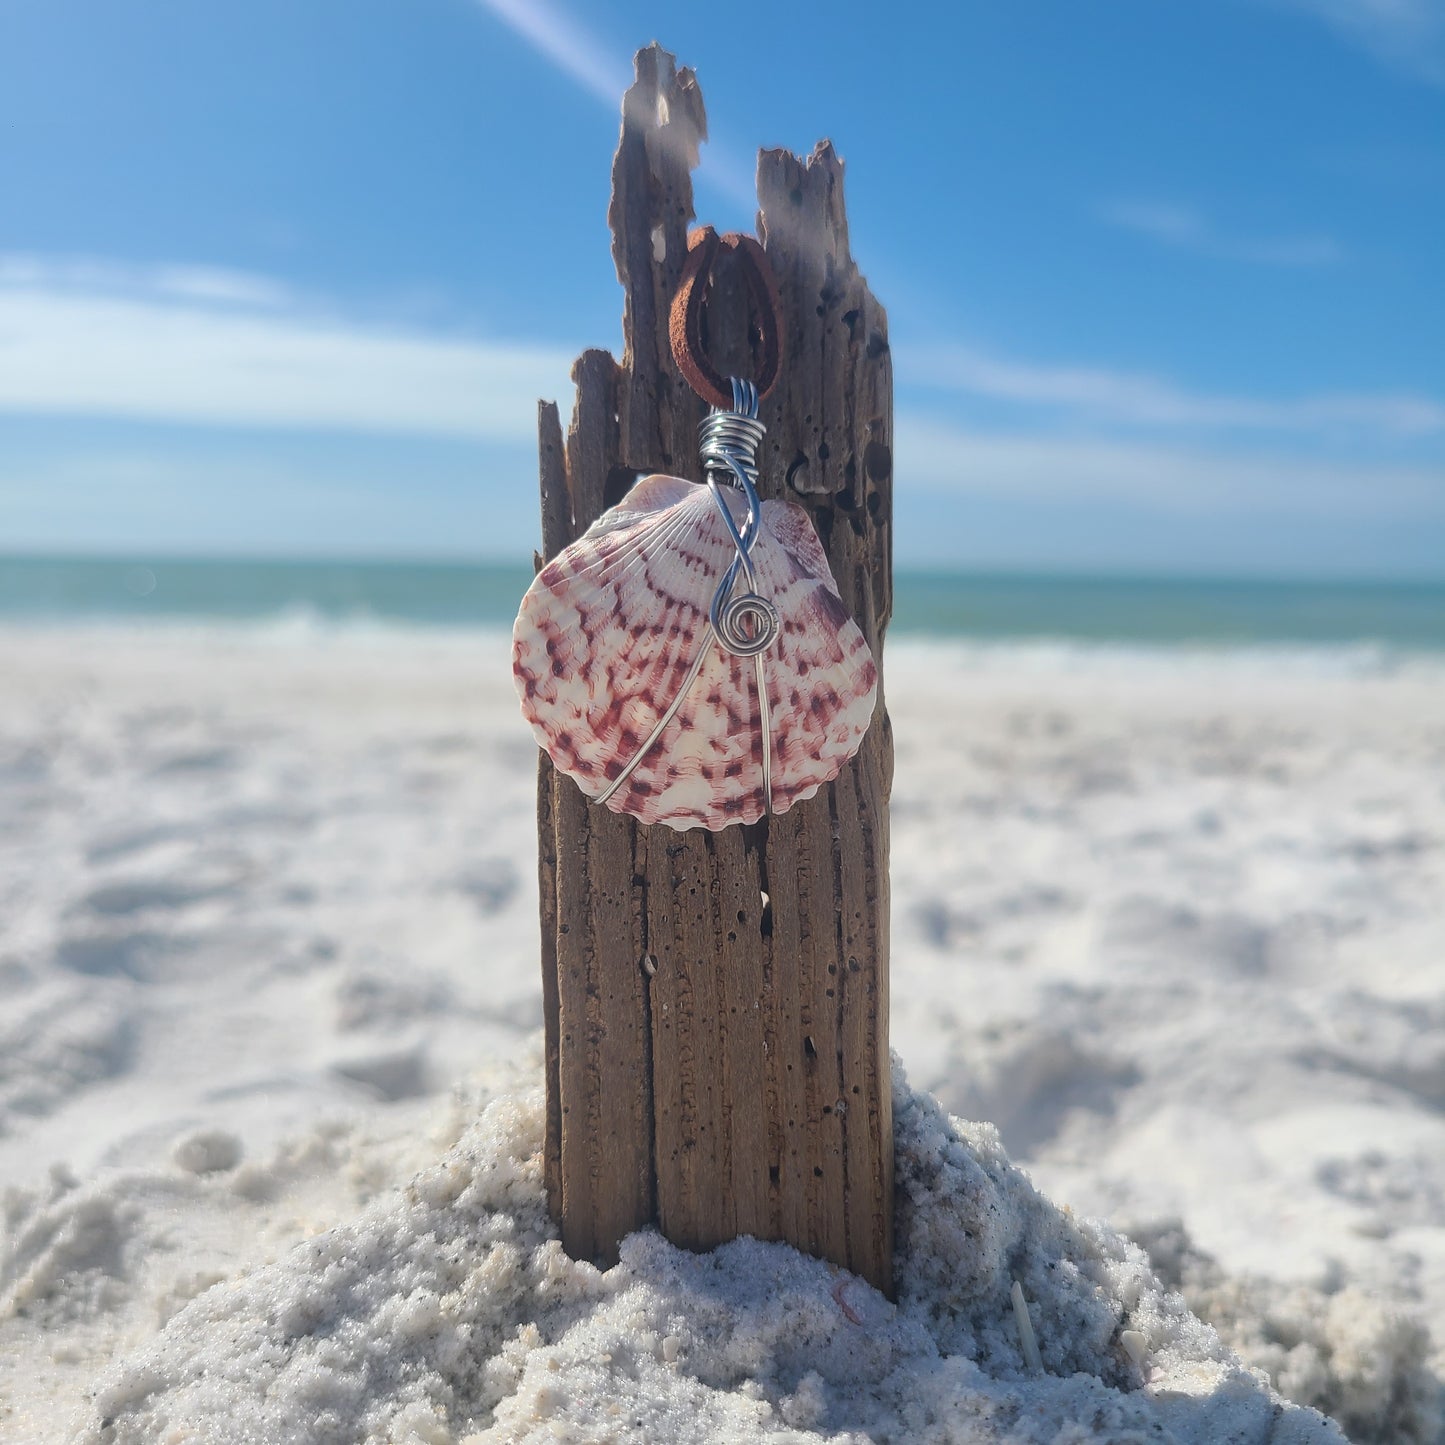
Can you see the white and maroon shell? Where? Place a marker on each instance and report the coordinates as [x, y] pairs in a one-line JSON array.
[[611, 627]]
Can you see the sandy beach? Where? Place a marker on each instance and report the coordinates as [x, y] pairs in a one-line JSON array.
[[1173, 920]]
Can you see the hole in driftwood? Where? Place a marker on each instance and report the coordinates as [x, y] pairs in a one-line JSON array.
[[877, 461], [619, 482], [765, 923], [810, 1048]]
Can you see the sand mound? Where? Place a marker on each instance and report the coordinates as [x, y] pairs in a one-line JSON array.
[[1336, 1347], [450, 1314]]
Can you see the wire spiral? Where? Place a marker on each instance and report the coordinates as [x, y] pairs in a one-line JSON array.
[[746, 624]]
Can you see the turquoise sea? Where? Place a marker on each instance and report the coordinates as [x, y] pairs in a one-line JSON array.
[[959, 605]]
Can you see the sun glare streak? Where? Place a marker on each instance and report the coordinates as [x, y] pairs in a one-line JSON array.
[[565, 44], [604, 75]]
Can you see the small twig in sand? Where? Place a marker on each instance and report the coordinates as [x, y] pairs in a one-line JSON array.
[[843, 1303], [1026, 1328]]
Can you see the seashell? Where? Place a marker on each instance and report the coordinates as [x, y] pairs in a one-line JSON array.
[[611, 629]]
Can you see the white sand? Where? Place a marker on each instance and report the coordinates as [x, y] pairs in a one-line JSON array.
[[1175, 923]]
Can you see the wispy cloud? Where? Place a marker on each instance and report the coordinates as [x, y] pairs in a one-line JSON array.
[[1408, 35], [216, 284], [1096, 395], [193, 344], [960, 461], [1185, 228]]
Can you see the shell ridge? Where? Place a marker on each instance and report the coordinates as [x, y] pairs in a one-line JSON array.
[[653, 493], [824, 673], [702, 769], [659, 534], [687, 677], [638, 535], [793, 529], [647, 675]]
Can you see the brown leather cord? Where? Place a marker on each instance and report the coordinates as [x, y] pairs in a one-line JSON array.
[[685, 319]]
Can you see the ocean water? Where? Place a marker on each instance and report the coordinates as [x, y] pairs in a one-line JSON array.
[[1157, 612]]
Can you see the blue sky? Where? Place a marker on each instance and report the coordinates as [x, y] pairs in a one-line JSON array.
[[1164, 280]]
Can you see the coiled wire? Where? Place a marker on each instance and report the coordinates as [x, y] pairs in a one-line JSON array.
[[746, 624]]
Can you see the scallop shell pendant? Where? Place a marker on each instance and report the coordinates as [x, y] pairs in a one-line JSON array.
[[628, 687]]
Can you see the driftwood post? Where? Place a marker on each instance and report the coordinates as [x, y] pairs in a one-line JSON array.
[[717, 1003]]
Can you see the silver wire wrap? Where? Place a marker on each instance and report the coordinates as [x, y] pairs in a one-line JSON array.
[[746, 624]]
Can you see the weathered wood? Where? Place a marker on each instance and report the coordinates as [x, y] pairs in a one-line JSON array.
[[556, 531], [718, 1059], [599, 1122]]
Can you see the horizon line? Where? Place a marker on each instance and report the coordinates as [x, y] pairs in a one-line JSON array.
[[1016, 571]]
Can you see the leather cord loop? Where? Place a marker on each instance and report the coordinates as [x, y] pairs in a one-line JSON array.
[[685, 319]]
